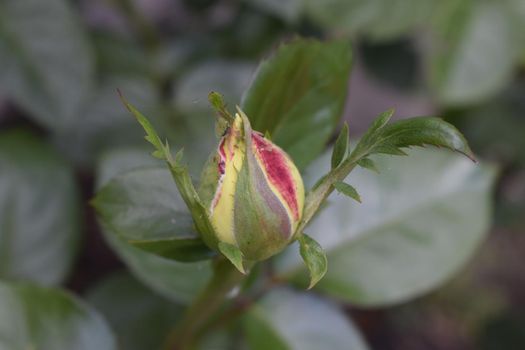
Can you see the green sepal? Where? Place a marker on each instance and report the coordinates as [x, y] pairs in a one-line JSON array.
[[180, 175], [314, 258], [209, 180], [347, 190], [224, 116], [257, 241], [161, 151], [233, 254], [340, 147]]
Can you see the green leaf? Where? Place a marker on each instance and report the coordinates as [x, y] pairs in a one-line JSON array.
[[186, 250], [233, 254], [419, 131], [422, 219], [147, 207], [372, 136], [123, 55], [120, 161], [392, 64], [177, 281], [485, 132], [475, 50], [374, 131], [386, 139], [46, 63], [473, 47], [125, 204], [369, 164], [140, 318], [298, 95], [288, 10], [289, 320], [314, 257], [162, 151], [40, 318], [423, 131], [347, 190], [159, 224], [39, 210], [381, 120], [340, 147], [229, 78], [103, 124], [380, 19]]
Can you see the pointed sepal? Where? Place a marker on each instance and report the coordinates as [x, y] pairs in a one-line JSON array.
[[233, 254], [225, 119], [180, 176], [161, 150]]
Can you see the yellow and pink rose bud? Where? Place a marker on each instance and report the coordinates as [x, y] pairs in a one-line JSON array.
[[254, 192]]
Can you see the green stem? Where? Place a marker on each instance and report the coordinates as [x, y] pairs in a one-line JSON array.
[[240, 306], [322, 190], [204, 306]]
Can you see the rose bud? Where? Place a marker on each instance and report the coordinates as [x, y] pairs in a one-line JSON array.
[[253, 191]]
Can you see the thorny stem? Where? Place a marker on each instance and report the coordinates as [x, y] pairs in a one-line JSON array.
[[225, 278]]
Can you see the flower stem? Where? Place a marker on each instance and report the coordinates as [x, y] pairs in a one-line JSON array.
[[225, 278], [322, 190]]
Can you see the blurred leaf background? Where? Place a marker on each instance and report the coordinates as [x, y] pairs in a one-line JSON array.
[[64, 134]]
